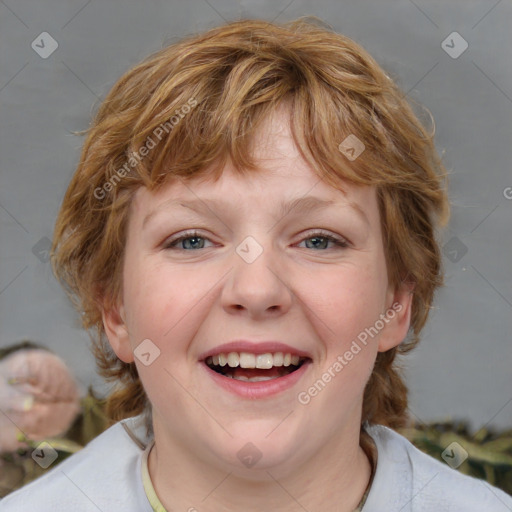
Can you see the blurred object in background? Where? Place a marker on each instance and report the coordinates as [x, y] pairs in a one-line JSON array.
[[39, 397], [485, 454], [39, 401], [18, 468]]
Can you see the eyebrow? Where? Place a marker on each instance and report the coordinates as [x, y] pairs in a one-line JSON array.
[[303, 205]]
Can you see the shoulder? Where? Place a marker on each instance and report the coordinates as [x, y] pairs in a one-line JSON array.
[[408, 479], [104, 475]]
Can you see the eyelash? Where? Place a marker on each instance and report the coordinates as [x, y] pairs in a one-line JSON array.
[[339, 242]]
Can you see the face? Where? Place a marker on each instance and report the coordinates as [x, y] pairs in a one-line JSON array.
[[231, 272]]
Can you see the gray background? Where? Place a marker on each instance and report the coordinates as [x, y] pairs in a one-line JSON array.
[[461, 369]]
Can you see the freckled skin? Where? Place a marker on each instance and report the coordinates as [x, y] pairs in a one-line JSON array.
[[309, 294]]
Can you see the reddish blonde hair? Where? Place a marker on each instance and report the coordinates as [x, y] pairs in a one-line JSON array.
[[231, 78]]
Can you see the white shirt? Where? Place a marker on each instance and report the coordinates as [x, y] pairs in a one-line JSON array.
[[106, 476]]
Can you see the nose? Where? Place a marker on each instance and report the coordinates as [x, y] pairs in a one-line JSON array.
[[259, 286]]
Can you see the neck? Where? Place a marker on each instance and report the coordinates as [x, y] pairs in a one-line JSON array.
[[334, 478]]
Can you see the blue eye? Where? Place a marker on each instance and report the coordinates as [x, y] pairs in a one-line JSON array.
[[193, 240], [194, 244], [321, 238]]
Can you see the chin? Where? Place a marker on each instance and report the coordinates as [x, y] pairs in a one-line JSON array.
[[251, 455]]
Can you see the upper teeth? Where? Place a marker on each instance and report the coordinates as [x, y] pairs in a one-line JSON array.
[[248, 360]]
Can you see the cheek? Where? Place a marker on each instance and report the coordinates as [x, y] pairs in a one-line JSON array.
[[350, 301], [347, 313], [165, 304], [155, 296]]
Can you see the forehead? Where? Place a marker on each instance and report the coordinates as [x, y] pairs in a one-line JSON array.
[[283, 180]]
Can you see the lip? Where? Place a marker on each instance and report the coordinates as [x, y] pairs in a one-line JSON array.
[[262, 389], [254, 347]]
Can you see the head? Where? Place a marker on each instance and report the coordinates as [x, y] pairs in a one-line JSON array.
[[257, 113]]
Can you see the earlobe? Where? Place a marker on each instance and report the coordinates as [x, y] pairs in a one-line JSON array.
[[114, 322], [399, 317]]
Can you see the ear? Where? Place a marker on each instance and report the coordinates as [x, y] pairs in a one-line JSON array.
[[114, 321], [398, 315]]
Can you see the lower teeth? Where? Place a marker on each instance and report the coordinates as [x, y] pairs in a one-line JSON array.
[[252, 379]]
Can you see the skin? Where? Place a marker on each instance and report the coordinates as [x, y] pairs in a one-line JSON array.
[[314, 296]]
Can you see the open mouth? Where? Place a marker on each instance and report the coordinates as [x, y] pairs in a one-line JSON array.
[[255, 367]]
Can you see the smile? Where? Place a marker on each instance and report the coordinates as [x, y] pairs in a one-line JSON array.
[[255, 376], [249, 367]]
